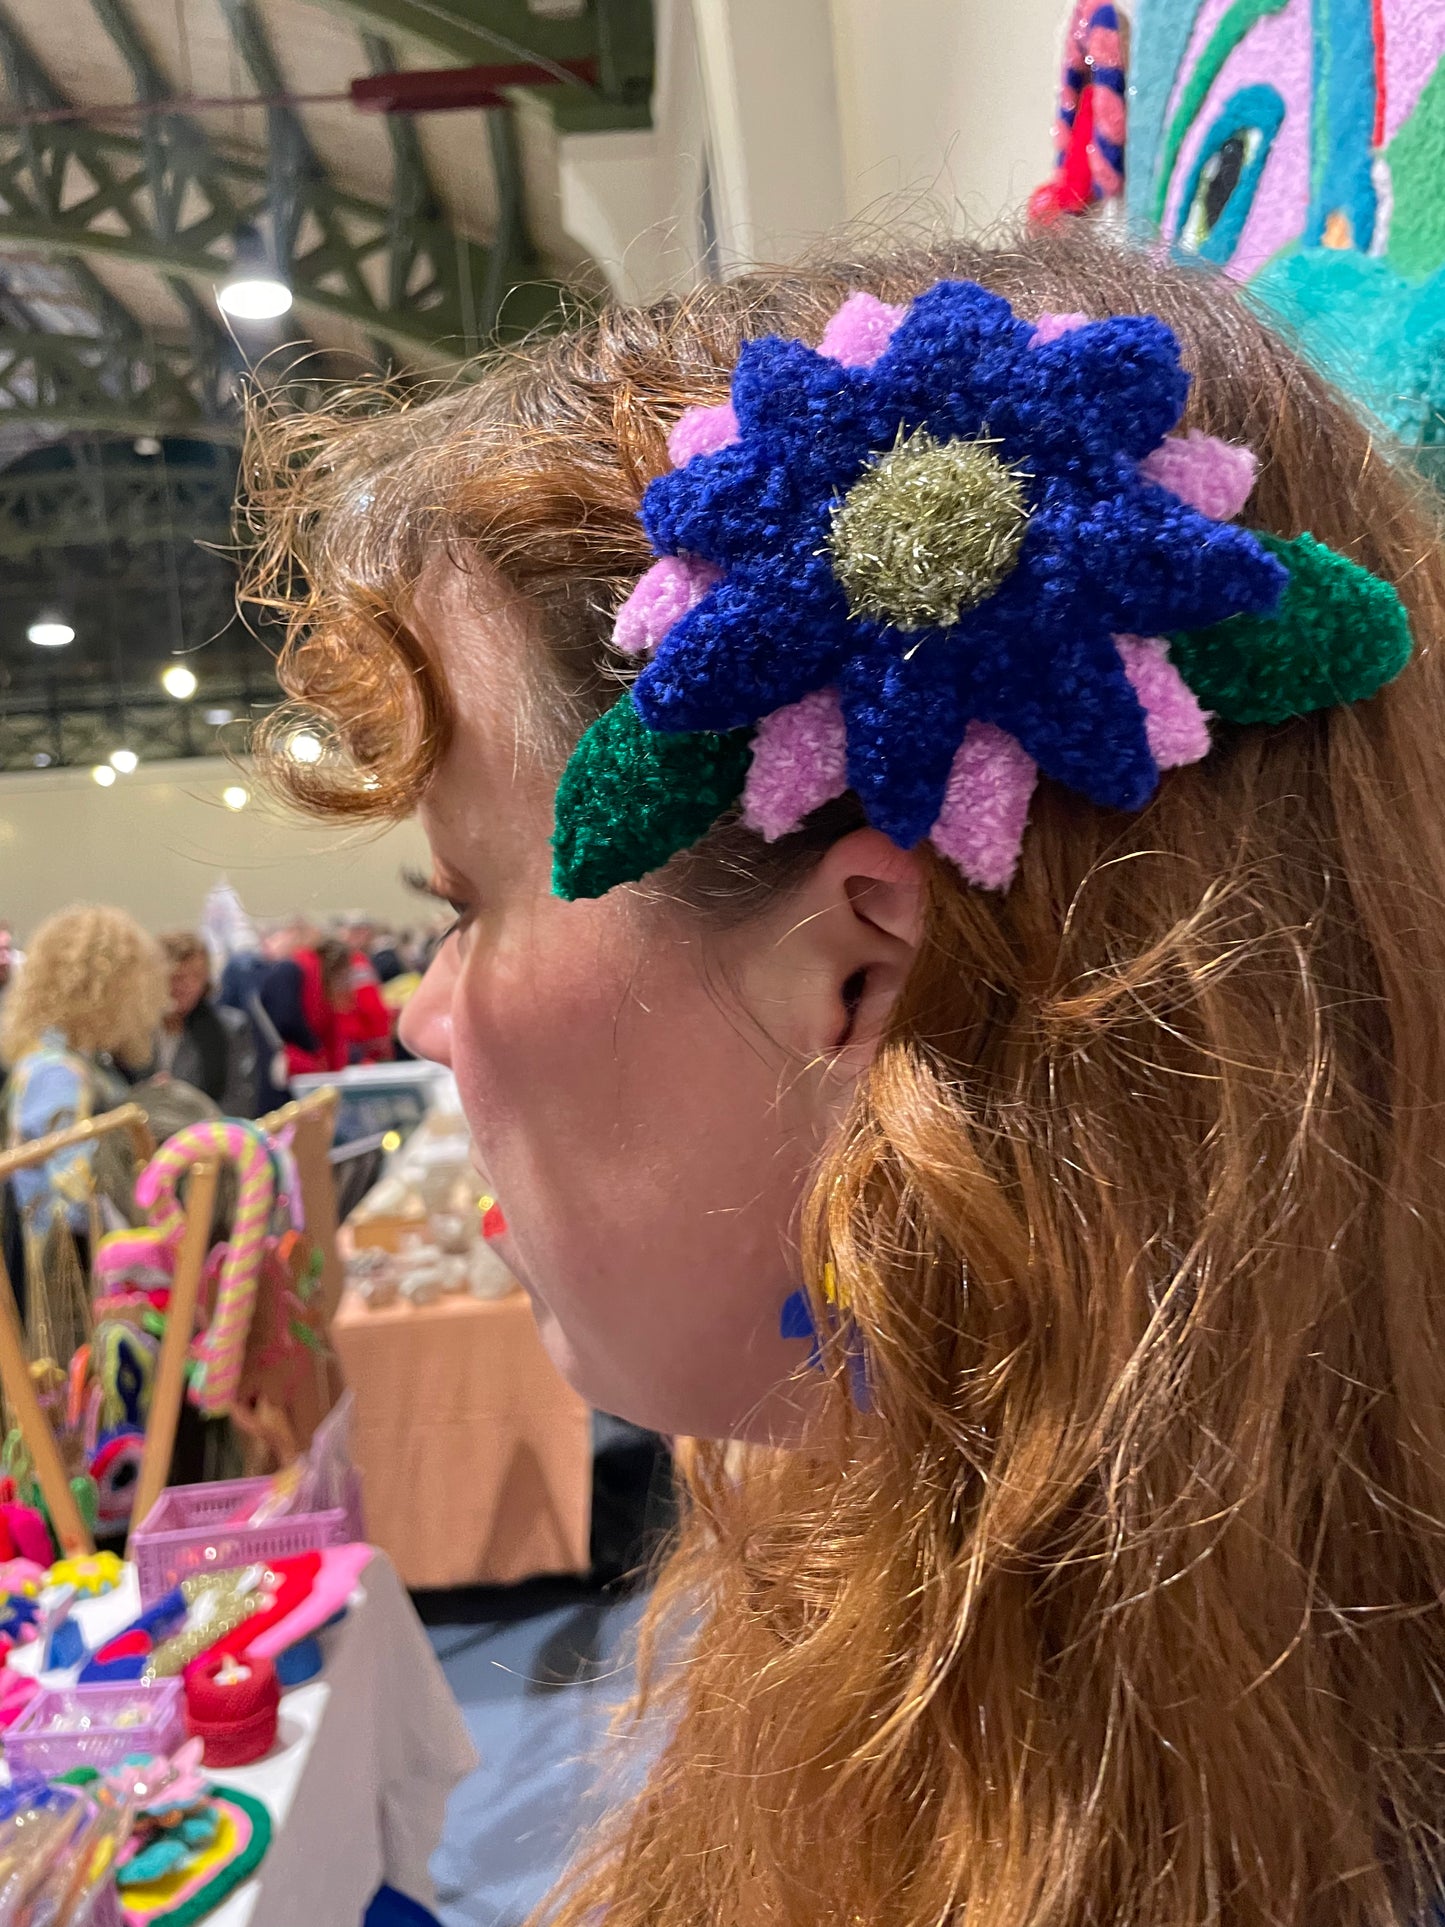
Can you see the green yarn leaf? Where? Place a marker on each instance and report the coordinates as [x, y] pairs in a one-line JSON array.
[[632, 797], [1339, 635]]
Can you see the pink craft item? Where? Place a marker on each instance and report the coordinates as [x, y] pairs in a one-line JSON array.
[[191, 1528], [860, 331], [121, 1719], [986, 807], [1052, 327], [29, 1533], [220, 1351], [17, 1690], [663, 596], [1177, 728], [800, 762], [1215, 477], [702, 431], [341, 1568]]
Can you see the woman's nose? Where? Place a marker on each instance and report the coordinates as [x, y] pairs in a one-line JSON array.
[[426, 1023]]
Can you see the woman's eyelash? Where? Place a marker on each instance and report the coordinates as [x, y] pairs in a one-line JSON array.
[[424, 887]]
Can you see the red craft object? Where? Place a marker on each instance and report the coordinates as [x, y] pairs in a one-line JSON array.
[[493, 1223], [232, 1706]]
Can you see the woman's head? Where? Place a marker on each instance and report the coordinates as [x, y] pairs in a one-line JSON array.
[[1123, 1603], [96, 977], [189, 965]]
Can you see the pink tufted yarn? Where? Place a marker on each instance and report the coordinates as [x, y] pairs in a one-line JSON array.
[[702, 431], [1050, 326], [986, 806], [860, 330], [1177, 728], [662, 597], [1212, 476], [800, 762]]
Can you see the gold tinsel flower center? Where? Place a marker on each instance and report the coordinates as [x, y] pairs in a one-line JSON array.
[[927, 531]]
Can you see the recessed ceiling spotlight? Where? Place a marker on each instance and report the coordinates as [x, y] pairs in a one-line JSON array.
[[42, 759], [124, 760], [218, 718], [252, 291], [235, 798], [104, 775], [50, 632], [178, 681], [147, 445]]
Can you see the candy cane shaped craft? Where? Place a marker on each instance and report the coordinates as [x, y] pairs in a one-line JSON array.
[[220, 1350]]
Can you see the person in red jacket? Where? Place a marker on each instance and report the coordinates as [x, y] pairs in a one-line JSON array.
[[342, 1002]]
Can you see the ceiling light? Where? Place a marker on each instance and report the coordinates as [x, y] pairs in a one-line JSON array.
[[42, 759], [124, 760], [304, 747], [252, 291], [218, 718], [178, 681], [147, 445], [235, 798], [50, 632], [104, 775]]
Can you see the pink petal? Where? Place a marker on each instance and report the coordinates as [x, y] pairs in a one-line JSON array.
[[701, 431], [1178, 729], [800, 762], [1049, 327], [663, 596], [1212, 476], [986, 806], [860, 330]]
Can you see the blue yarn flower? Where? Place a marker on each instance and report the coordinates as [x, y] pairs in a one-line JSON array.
[[1064, 545]]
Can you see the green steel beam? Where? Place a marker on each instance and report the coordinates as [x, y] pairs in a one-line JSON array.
[[42, 509], [72, 189], [110, 387], [618, 34]]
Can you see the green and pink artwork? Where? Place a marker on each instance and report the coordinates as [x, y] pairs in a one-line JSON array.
[[1300, 145]]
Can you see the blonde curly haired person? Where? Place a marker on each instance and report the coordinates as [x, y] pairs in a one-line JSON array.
[[81, 1016]]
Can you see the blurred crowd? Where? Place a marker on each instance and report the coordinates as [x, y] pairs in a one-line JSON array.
[[96, 1006]]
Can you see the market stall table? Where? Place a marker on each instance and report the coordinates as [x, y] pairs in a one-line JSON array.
[[475, 1455], [358, 1780]]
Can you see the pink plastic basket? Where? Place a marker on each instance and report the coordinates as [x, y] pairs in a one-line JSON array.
[[35, 1745], [186, 1531]]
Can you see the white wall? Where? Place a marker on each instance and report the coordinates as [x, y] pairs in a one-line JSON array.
[[158, 840], [813, 113], [946, 101]]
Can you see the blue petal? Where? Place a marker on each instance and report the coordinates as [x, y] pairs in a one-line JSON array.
[[1156, 564], [953, 355], [769, 634], [804, 412], [1071, 706], [1113, 387], [905, 720], [725, 506]]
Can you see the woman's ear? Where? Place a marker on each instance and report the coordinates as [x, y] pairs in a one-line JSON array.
[[825, 973]]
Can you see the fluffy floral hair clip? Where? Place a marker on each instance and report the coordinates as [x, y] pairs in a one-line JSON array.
[[947, 550]]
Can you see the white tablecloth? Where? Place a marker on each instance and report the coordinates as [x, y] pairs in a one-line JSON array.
[[357, 1783]]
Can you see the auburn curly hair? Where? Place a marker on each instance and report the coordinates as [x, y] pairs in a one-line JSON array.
[[93, 974], [1124, 1604]]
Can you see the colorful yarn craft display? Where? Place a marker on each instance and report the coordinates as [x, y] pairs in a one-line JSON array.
[[220, 1350], [1300, 147], [947, 553], [1092, 115]]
